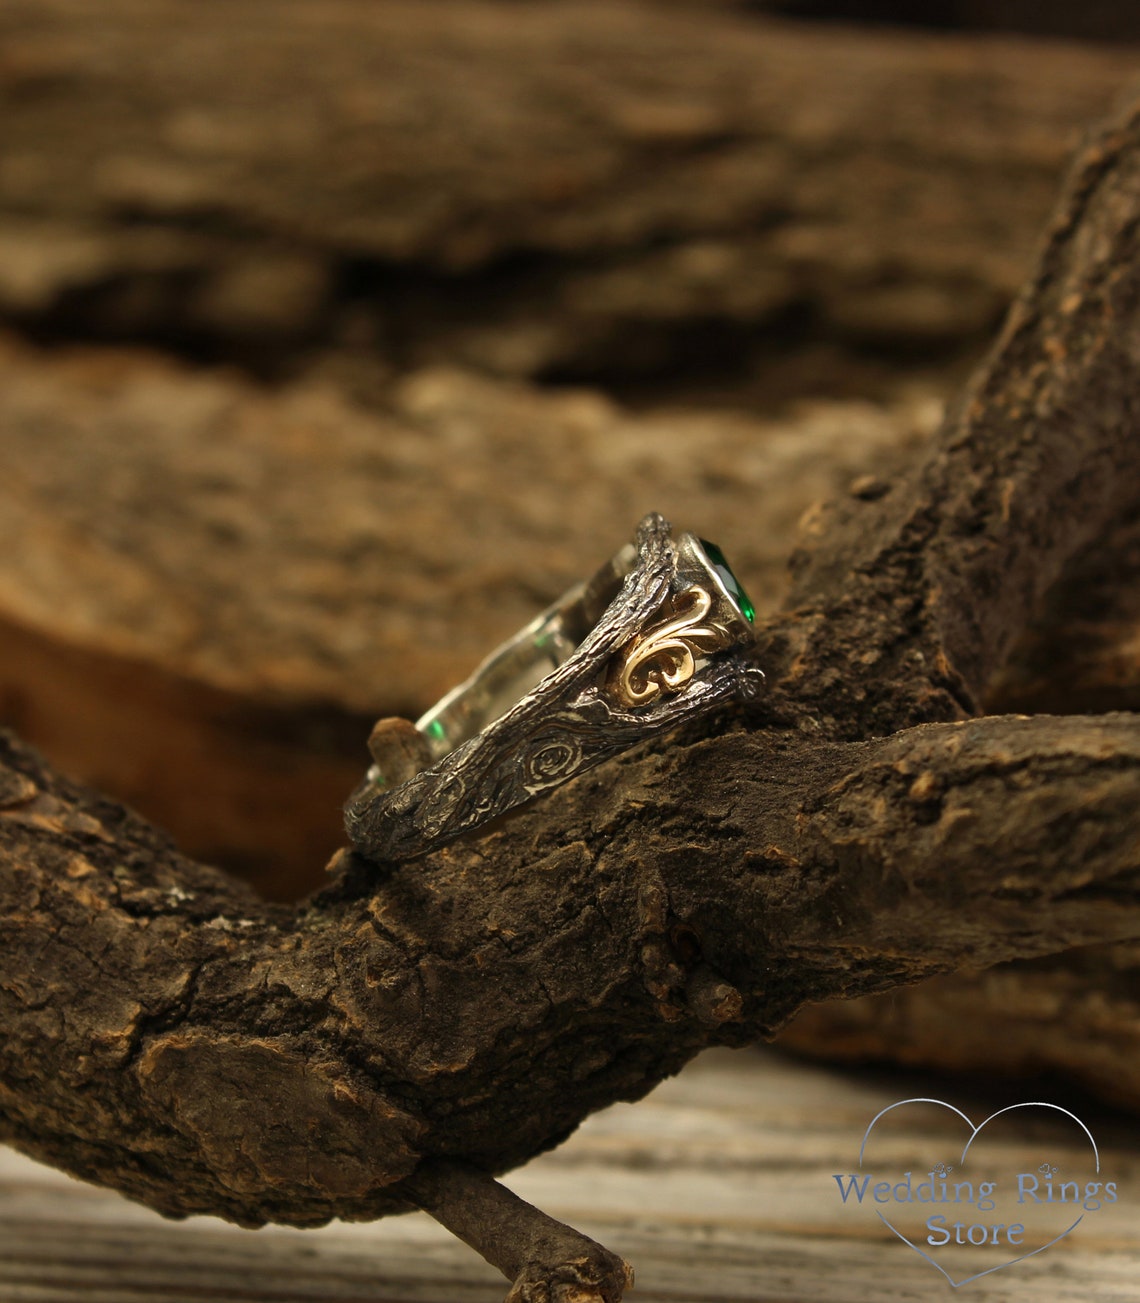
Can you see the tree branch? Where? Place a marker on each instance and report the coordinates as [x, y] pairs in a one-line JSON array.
[[545, 1259], [927, 587], [463, 1012], [169, 1034]]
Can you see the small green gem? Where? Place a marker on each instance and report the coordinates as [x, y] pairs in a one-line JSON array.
[[730, 581], [436, 730]]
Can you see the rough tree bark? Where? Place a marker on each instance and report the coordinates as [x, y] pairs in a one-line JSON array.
[[580, 188], [399, 1038], [1077, 1013]]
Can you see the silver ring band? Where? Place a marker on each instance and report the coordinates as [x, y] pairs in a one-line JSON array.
[[658, 637]]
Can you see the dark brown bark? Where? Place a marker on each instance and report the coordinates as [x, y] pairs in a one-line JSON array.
[[545, 1259], [639, 931], [1075, 1013], [170, 1034], [596, 189], [1082, 652], [954, 566]]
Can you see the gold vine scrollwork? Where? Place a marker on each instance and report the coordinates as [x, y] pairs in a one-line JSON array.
[[662, 659]]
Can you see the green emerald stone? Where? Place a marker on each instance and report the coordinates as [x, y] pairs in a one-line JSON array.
[[730, 581]]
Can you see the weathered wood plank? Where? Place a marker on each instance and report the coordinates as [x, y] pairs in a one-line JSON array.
[[719, 1185]]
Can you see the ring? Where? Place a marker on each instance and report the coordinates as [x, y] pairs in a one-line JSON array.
[[658, 637]]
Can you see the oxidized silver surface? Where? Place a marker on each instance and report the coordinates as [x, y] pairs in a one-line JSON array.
[[651, 642]]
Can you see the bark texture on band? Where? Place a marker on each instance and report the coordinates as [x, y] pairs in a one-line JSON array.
[[170, 1034]]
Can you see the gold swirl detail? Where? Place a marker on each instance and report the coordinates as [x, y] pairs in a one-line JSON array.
[[663, 658]]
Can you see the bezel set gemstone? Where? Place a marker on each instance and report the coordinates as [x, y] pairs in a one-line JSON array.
[[727, 576]]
